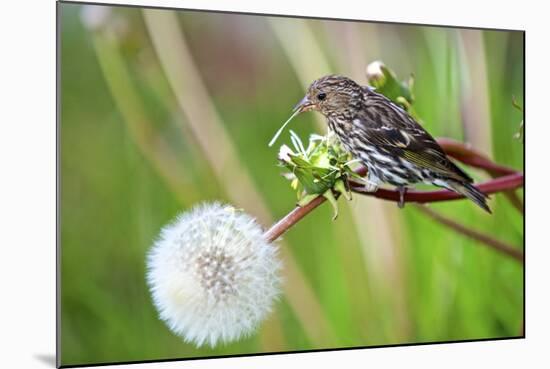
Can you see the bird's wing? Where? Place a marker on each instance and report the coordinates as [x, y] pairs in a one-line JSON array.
[[386, 125]]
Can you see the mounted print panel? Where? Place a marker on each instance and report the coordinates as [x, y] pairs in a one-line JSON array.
[[241, 184]]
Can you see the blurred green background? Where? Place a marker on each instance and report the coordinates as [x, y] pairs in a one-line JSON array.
[[163, 109]]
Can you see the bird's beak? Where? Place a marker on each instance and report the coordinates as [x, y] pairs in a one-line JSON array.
[[303, 105]]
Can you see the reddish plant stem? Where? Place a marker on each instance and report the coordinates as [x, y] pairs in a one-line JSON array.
[[507, 179], [500, 184], [475, 159], [473, 234], [291, 218]]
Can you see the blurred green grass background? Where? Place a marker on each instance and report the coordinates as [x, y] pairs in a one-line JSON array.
[[163, 109]]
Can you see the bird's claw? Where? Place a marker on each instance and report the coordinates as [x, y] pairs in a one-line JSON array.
[[370, 186], [402, 191]]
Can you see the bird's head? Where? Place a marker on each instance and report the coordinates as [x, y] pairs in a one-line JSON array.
[[331, 95]]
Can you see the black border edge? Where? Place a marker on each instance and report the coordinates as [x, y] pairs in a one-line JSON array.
[[289, 16], [290, 352]]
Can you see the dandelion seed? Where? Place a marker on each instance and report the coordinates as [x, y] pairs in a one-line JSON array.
[[278, 133], [212, 275]]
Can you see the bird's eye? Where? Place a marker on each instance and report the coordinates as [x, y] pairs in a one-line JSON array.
[[321, 96]]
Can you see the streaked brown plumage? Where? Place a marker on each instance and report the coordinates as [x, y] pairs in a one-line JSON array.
[[384, 137]]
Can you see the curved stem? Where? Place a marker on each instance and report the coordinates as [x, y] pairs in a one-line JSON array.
[[292, 218], [493, 186], [474, 158], [507, 180], [500, 184], [473, 234]]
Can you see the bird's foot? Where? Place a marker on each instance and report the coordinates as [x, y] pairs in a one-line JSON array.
[[402, 191], [370, 186]]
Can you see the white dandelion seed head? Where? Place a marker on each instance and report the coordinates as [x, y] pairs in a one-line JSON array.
[[212, 274]]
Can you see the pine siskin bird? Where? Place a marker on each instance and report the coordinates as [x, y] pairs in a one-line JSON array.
[[385, 138]]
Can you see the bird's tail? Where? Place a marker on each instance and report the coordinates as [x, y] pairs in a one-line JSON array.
[[471, 192]]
